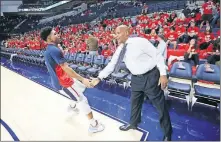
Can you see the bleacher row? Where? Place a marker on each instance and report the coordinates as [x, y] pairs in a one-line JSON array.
[[205, 84], [29, 56], [128, 10], [156, 7]]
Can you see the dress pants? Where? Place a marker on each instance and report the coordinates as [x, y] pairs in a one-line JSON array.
[[147, 85]]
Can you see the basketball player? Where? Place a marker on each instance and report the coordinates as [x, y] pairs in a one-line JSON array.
[[62, 75]]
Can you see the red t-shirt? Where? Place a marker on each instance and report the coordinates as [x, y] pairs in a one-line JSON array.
[[198, 17], [179, 21], [207, 8], [37, 45], [73, 50], [193, 30], [166, 31], [152, 37], [22, 44], [188, 46], [106, 53], [82, 49], [202, 36], [172, 36], [32, 44], [64, 79], [180, 30]]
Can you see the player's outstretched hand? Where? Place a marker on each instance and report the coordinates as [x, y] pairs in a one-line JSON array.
[[87, 83], [94, 81]]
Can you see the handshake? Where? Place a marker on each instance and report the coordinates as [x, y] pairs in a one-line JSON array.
[[90, 83]]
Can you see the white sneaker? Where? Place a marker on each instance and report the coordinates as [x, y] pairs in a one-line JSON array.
[[73, 109], [94, 129]]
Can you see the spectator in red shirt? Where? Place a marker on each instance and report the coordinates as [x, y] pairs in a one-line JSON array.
[[32, 44], [172, 37], [207, 10], [112, 46], [208, 32], [37, 45], [192, 31], [106, 52], [166, 29], [198, 18], [83, 50], [191, 53], [72, 49], [152, 37], [181, 32], [206, 43]]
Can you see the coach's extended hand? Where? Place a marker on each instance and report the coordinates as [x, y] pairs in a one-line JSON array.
[[94, 81], [87, 83]]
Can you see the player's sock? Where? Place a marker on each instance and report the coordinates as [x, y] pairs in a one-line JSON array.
[[93, 122]]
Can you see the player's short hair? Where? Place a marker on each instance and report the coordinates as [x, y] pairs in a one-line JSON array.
[[45, 32], [92, 42]]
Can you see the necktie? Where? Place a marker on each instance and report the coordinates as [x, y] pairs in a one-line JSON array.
[[120, 58]]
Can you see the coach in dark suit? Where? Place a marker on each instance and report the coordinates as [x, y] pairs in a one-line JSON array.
[[148, 69]]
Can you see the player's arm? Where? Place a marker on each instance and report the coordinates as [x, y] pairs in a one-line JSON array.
[[60, 60], [71, 72], [109, 68]]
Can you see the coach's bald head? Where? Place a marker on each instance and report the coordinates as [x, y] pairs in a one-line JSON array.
[[122, 33]]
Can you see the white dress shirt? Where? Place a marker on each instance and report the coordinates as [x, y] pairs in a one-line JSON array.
[[162, 47], [140, 57]]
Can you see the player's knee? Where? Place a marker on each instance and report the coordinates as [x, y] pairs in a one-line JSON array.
[[83, 99], [84, 106]]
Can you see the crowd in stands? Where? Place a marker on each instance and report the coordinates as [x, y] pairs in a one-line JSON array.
[[189, 36]]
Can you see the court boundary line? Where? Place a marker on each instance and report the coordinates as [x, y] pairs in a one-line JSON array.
[[145, 133], [9, 129]]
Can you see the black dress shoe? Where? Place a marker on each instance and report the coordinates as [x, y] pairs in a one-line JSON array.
[[167, 138], [127, 127]]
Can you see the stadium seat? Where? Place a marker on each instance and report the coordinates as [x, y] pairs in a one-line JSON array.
[[208, 82], [86, 64], [180, 78], [72, 58], [107, 60], [66, 55], [97, 65], [79, 60], [129, 77]]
